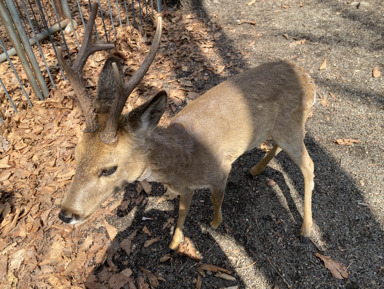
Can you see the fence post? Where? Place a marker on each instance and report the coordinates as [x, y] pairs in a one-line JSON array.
[[8, 24], [27, 47]]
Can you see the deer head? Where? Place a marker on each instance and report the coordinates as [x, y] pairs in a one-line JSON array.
[[109, 155]]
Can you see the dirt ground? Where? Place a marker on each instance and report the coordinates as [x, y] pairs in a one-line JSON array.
[[339, 43]]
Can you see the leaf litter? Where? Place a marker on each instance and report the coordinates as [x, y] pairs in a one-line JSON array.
[[37, 164]]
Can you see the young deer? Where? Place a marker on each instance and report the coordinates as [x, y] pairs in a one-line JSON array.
[[197, 149]]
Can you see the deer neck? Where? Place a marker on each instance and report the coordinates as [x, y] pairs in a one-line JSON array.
[[169, 151]]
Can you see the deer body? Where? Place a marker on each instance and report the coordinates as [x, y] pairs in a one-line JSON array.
[[197, 149]]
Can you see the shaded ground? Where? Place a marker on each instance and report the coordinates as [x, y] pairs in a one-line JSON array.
[[258, 240]]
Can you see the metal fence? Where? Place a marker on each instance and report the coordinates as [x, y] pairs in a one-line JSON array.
[[33, 29]]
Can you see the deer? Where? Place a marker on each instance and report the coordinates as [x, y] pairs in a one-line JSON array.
[[196, 150]]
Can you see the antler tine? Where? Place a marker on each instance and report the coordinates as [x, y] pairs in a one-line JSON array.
[[109, 135], [74, 73]]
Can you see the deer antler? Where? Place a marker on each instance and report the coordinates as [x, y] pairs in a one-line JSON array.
[[74, 72], [109, 135]]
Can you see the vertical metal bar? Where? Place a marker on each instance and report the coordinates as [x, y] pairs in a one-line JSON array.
[[111, 16], [67, 12], [81, 14], [64, 5], [38, 44], [126, 11], [27, 47], [9, 98], [146, 10], [118, 11], [158, 6], [15, 72], [34, 16], [50, 36], [133, 12], [141, 14], [61, 30], [102, 20], [8, 24]]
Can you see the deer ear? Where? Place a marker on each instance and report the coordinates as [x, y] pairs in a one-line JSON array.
[[144, 118], [106, 85]]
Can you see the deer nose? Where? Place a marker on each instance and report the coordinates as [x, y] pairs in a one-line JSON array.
[[68, 217]]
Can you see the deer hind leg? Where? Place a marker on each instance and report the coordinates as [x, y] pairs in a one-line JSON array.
[[185, 203], [297, 151], [260, 167]]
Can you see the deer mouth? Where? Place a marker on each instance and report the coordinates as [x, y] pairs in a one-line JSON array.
[[70, 218]]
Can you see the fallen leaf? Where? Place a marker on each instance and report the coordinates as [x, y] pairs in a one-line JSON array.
[[126, 245], [151, 242], [118, 280], [301, 41], [111, 230], [323, 65], [212, 268], [127, 272], [146, 231], [187, 249], [324, 102], [146, 186], [376, 72], [225, 276], [242, 21], [151, 277], [346, 141], [337, 270], [4, 163]]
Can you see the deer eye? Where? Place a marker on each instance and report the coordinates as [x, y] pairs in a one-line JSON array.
[[108, 172]]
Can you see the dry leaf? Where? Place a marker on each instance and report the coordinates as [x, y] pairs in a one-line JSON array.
[[146, 186], [212, 268], [151, 277], [165, 258], [187, 249], [301, 41], [151, 241], [323, 65], [346, 141], [127, 272], [126, 245], [376, 72], [324, 102], [225, 276], [337, 270], [242, 21], [111, 230], [118, 280], [146, 231], [4, 163]]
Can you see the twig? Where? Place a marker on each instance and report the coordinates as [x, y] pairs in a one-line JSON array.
[[282, 277], [246, 267]]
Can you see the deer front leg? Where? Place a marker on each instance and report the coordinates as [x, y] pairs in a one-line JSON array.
[[217, 200], [185, 203]]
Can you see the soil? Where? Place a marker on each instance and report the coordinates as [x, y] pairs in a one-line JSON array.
[[258, 245], [259, 238]]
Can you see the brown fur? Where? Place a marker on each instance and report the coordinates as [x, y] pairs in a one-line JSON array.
[[197, 149]]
